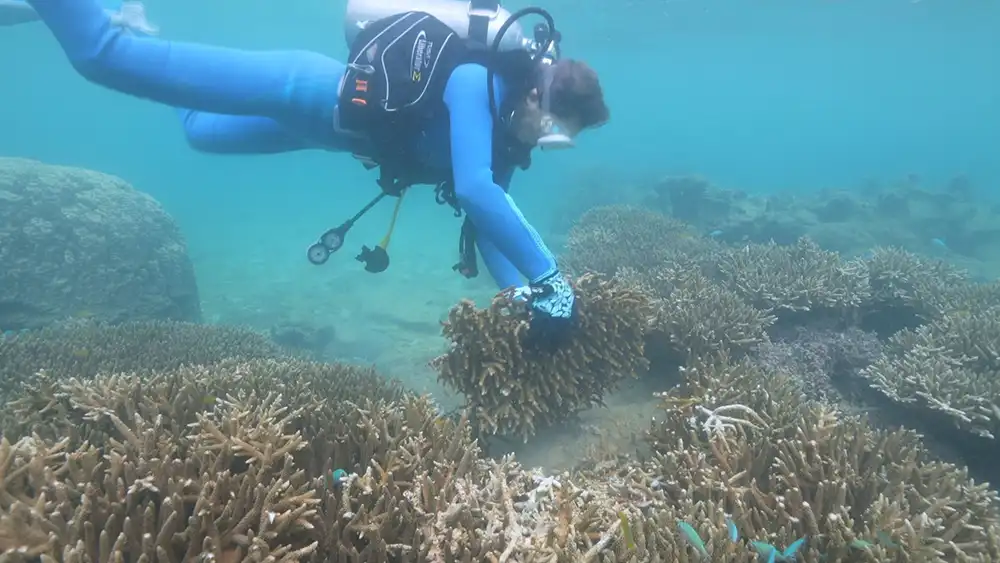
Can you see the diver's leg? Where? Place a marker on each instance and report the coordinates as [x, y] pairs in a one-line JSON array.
[[248, 134], [295, 87], [14, 12], [238, 134]]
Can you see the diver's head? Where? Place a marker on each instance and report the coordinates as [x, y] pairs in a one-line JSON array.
[[566, 98]]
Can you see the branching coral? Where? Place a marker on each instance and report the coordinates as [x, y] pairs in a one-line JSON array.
[[240, 484], [903, 280], [692, 315], [785, 279], [609, 238], [801, 470], [515, 390], [950, 366]]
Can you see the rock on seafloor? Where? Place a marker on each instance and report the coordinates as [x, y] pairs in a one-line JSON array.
[[78, 243]]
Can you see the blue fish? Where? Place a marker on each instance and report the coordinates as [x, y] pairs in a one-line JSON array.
[[338, 478], [791, 550], [734, 532], [766, 551], [886, 540], [715, 234], [691, 536], [771, 554]]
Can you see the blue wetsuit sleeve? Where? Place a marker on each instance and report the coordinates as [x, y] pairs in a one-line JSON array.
[[297, 88], [492, 211], [13, 12], [503, 272], [237, 134]]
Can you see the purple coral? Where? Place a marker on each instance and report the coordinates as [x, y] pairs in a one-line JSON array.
[[822, 359]]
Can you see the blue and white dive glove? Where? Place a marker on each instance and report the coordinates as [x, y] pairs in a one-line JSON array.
[[552, 304], [131, 16]]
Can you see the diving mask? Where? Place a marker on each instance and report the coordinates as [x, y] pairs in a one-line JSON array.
[[554, 135]]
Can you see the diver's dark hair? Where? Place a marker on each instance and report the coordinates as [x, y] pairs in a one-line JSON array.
[[576, 94], [520, 74]]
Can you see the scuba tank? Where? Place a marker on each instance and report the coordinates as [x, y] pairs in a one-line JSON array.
[[454, 13]]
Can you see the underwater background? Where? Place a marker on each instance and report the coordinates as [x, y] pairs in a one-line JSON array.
[[869, 127]]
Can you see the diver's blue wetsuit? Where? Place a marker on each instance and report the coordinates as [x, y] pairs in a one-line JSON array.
[[269, 102]]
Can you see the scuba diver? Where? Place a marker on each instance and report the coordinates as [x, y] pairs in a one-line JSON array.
[[447, 93]]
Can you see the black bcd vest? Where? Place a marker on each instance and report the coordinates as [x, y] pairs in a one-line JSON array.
[[397, 72]]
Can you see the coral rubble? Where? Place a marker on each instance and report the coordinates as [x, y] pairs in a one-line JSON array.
[[514, 390]]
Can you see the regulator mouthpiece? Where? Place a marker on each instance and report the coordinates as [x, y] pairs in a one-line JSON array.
[[555, 141]]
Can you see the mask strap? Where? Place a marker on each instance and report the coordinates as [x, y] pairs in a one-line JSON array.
[[547, 79]]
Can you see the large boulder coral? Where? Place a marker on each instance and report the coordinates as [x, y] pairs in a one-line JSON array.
[[75, 242], [515, 390], [86, 348]]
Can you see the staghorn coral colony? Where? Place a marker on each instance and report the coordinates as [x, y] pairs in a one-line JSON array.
[[179, 442]]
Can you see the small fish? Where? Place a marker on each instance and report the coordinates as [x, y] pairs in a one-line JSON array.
[[716, 233], [208, 400], [940, 243], [337, 478], [791, 550], [886, 540], [691, 536], [81, 353], [733, 531], [626, 530], [860, 544], [765, 549]]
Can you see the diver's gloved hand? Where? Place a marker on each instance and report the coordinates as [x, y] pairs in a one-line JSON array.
[[553, 313], [132, 17]]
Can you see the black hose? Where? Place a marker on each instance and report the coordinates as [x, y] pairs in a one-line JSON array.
[[495, 47]]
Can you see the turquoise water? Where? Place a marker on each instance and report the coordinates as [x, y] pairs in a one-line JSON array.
[[761, 95]]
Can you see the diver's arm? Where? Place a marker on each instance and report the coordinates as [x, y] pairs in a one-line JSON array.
[[237, 134], [491, 210], [296, 88], [503, 272], [500, 268], [13, 12]]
